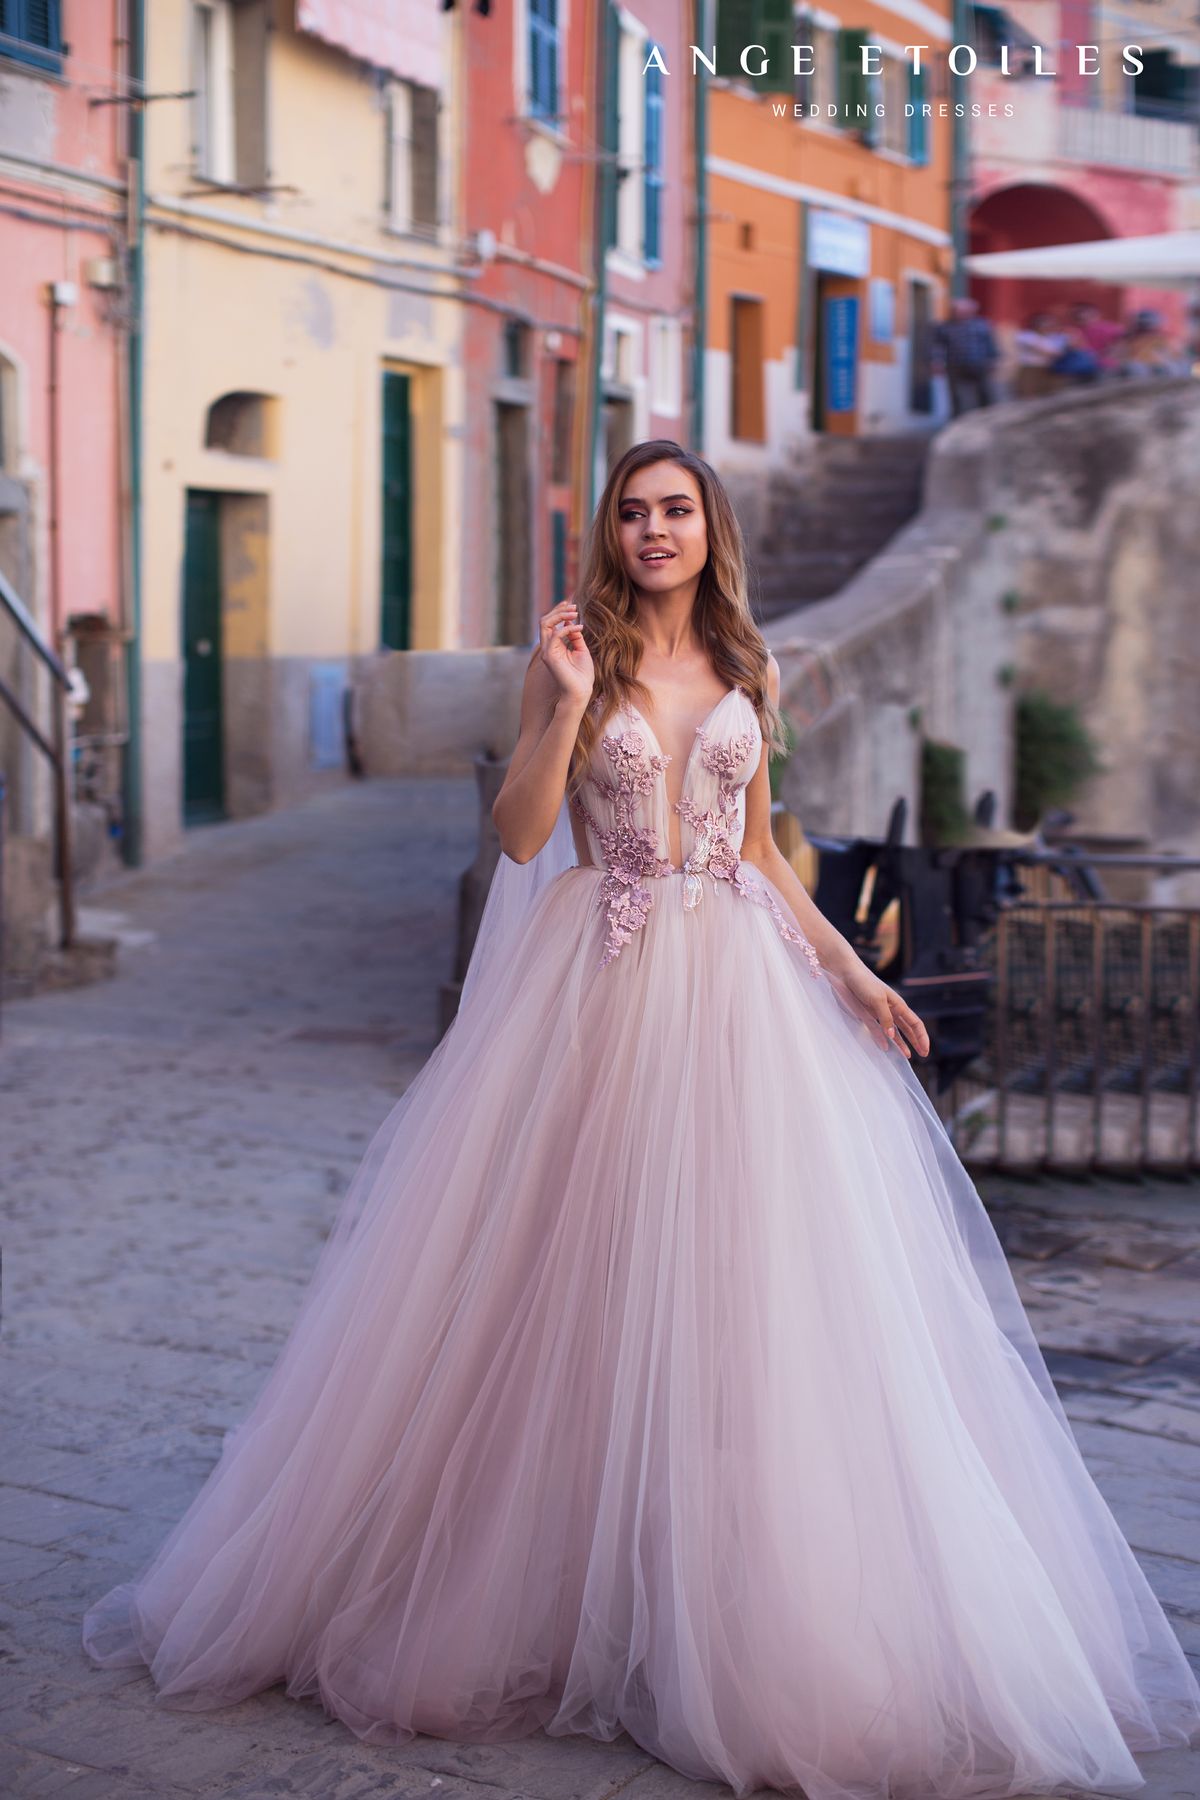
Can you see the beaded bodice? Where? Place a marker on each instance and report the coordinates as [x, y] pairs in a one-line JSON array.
[[624, 805]]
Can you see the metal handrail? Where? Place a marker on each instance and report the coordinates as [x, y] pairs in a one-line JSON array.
[[23, 619], [53, 749]]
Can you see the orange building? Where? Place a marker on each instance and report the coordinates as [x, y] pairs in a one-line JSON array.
[[828, 186]]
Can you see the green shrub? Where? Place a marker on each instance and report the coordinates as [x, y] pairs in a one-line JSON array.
[[779, 763], [1055, 756], [944, 817]]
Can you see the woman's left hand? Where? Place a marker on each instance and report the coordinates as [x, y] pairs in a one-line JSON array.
[[892, 1014]]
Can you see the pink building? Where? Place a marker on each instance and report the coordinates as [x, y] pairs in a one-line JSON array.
[[1093, 147], [64, 447], [579, 338]]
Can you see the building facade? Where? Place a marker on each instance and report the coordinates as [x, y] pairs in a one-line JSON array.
[[1093, 146], [828, 201], [65, 493], [651, 237], [303, 413]]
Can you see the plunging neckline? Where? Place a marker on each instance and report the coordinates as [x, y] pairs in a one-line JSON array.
[[696, 736]]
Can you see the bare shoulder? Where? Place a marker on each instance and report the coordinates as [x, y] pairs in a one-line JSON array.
[[773, 678]]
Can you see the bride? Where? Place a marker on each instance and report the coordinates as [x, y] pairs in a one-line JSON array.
[[663, 1373]]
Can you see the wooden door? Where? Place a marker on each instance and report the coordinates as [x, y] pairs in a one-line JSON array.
[[396, 573], [203, 728]]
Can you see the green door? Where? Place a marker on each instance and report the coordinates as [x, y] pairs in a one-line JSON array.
[[203, 738], [396, 578]]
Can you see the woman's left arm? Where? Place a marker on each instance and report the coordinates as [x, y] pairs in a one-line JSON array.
[[839, 957]]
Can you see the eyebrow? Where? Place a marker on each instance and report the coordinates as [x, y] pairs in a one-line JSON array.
[[634, 500]]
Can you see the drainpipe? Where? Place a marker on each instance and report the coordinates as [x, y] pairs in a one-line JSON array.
[[132, 835], [62, 295], [608, 175], [960, 157], [700, 238]]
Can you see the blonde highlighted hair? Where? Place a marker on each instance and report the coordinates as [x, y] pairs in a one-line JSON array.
[[608, 606]]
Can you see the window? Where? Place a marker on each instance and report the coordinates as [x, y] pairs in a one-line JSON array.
[[918, 123], [411, 186], [653, 166], [516, 349], [895, 124], [241, 424], [564, 414], [31, 32], [804, 79], [1166, 89], [543, 58], [666, 366], [229, 82]]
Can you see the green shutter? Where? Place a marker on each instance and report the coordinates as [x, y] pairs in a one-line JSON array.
[[612, 118], [737, 26], [918, 126], [852, 83], [775, 32]]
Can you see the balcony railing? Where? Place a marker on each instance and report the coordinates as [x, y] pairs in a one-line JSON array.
[[1126, 140]]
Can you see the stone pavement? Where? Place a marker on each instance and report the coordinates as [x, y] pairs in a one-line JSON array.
[[174, 1145]]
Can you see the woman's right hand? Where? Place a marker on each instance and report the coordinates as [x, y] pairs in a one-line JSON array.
[[565, 653]]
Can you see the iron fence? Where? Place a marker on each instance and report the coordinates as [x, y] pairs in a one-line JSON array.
[[1091, 1054]]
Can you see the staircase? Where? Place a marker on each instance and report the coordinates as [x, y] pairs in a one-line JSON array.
[[831, 513]]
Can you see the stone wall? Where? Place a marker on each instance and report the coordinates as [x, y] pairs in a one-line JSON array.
[[1058, 548]]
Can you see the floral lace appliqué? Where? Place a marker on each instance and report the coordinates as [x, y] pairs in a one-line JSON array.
[[714, 848], [630, 851]]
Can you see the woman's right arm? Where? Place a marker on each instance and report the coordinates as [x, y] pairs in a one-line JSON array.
[[558, 688]]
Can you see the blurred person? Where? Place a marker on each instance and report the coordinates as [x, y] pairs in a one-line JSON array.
[[1100, 335], [1035, 347], [965, 347], [1146, 351], [663, 1372], [1076, 361]]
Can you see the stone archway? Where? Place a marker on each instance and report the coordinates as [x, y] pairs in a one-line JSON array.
[[1025, 216]]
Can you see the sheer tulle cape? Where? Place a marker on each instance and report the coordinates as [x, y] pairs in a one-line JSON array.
[[663, 1373]]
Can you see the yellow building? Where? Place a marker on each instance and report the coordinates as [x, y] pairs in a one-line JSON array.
[[828, 206], [303, 398]]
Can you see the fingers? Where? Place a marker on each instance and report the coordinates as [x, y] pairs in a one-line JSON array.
[[560, 625], [887, 1023], [913, 1027]]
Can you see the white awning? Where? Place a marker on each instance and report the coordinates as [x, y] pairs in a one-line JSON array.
[[406, 40], [1168, 259]]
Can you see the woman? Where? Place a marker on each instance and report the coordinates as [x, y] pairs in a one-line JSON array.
[[663, 1372]]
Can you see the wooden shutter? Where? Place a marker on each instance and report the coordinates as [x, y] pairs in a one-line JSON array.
[[251, 39], [425, 159]]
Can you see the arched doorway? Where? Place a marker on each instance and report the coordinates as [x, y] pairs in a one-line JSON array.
[[1024, 217]]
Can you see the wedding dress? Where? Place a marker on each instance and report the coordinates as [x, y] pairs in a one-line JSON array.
[[663, 1373]]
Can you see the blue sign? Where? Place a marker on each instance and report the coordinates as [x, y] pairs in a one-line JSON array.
[[841, 353]]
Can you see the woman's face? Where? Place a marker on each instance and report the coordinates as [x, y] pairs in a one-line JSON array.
[[663, 532]]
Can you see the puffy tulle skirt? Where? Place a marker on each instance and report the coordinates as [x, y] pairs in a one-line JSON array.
[[663, 1374]]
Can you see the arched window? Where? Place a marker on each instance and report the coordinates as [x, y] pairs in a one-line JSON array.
[[242, 424]]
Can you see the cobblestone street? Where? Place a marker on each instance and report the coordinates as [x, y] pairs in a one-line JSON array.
[[175, 1142]]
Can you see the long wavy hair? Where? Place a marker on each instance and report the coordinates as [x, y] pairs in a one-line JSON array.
[[608, 605]]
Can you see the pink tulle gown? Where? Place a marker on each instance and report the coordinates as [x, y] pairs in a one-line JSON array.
[[663, 1374]]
